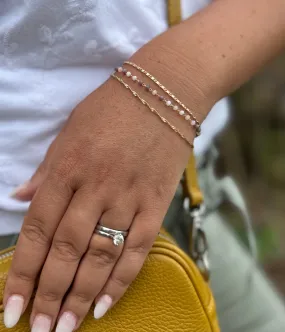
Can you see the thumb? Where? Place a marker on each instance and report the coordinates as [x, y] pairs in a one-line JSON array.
[[26, 191]]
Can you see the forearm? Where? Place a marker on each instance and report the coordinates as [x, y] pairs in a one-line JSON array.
[[215, 51]]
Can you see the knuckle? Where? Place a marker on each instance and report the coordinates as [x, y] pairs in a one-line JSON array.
[[120, 281], [65, 166], [34, 231], [102, 257], [23, 276], [66, 250], [49, 296], [104, 172], [61, 171], [161, 191], [133, 180], [82, 298], [140, 247]]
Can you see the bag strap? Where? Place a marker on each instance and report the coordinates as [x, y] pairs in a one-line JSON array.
[[190, 183], [192, 192], [174, 12]]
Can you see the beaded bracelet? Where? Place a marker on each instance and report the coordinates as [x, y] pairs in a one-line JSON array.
[[168, 103], [197, 124], [153, 110]]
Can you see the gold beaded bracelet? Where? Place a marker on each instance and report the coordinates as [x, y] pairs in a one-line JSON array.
[[195, 123], [153, 110]]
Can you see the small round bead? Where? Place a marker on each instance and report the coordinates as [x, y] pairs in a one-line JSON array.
[[119, 69], [129, 74], [140, 83], [181, 112], [161, 98], [193, 123], [124, 71], [154, 92], [147, 87], [134, 78], [175, 108], [168, 103], [187, 117]]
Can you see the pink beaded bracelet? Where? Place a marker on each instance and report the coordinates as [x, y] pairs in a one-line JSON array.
[[186, 114], [162, 87]]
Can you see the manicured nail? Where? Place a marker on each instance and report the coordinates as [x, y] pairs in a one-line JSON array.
[[18, 190], [102, 306], [66, 323], [13, 310], [42, 323]]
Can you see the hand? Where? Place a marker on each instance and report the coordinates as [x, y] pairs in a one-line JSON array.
[[113, 162]]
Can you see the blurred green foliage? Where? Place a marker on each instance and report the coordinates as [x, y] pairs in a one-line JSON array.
[[253, 152]]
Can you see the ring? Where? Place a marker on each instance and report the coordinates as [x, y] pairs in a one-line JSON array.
[[117, 236]]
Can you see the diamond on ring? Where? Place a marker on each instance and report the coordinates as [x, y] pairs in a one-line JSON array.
[[118, 239]]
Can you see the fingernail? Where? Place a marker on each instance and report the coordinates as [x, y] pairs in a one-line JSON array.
[[66, 323], [42, 323], [18, 190], [13, 310], [102, 306]]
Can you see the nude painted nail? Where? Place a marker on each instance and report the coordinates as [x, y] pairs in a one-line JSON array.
[[18, 190], [66, 323], [102, 306], [42, 323], [13, 310]]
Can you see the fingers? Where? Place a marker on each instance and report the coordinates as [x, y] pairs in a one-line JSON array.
[[92, 274], [142, 234], [26, 191], [58, 235], [95, 268], [69, 244], [46, 210]]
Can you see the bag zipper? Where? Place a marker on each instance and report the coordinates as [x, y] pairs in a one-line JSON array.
[[7, 254]]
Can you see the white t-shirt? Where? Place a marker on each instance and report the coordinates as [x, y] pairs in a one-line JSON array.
[[53, 53]]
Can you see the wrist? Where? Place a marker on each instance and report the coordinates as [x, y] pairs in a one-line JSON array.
[[184, 78]]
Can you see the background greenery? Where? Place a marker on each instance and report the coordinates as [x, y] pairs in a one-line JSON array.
[[253, 151]]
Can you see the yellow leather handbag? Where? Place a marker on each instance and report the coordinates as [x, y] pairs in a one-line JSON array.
[[169, 294]]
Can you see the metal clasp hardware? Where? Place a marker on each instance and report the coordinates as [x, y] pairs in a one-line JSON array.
[[199, 243]]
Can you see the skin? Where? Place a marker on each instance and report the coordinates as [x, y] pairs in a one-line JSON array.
[[115, 162]]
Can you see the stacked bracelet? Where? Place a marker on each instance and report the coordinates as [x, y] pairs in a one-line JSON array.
[[178, 107], [153, 110], [162, 87], [167, 102]]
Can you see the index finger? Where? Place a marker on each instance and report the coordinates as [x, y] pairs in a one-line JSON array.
[[44, 215]]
